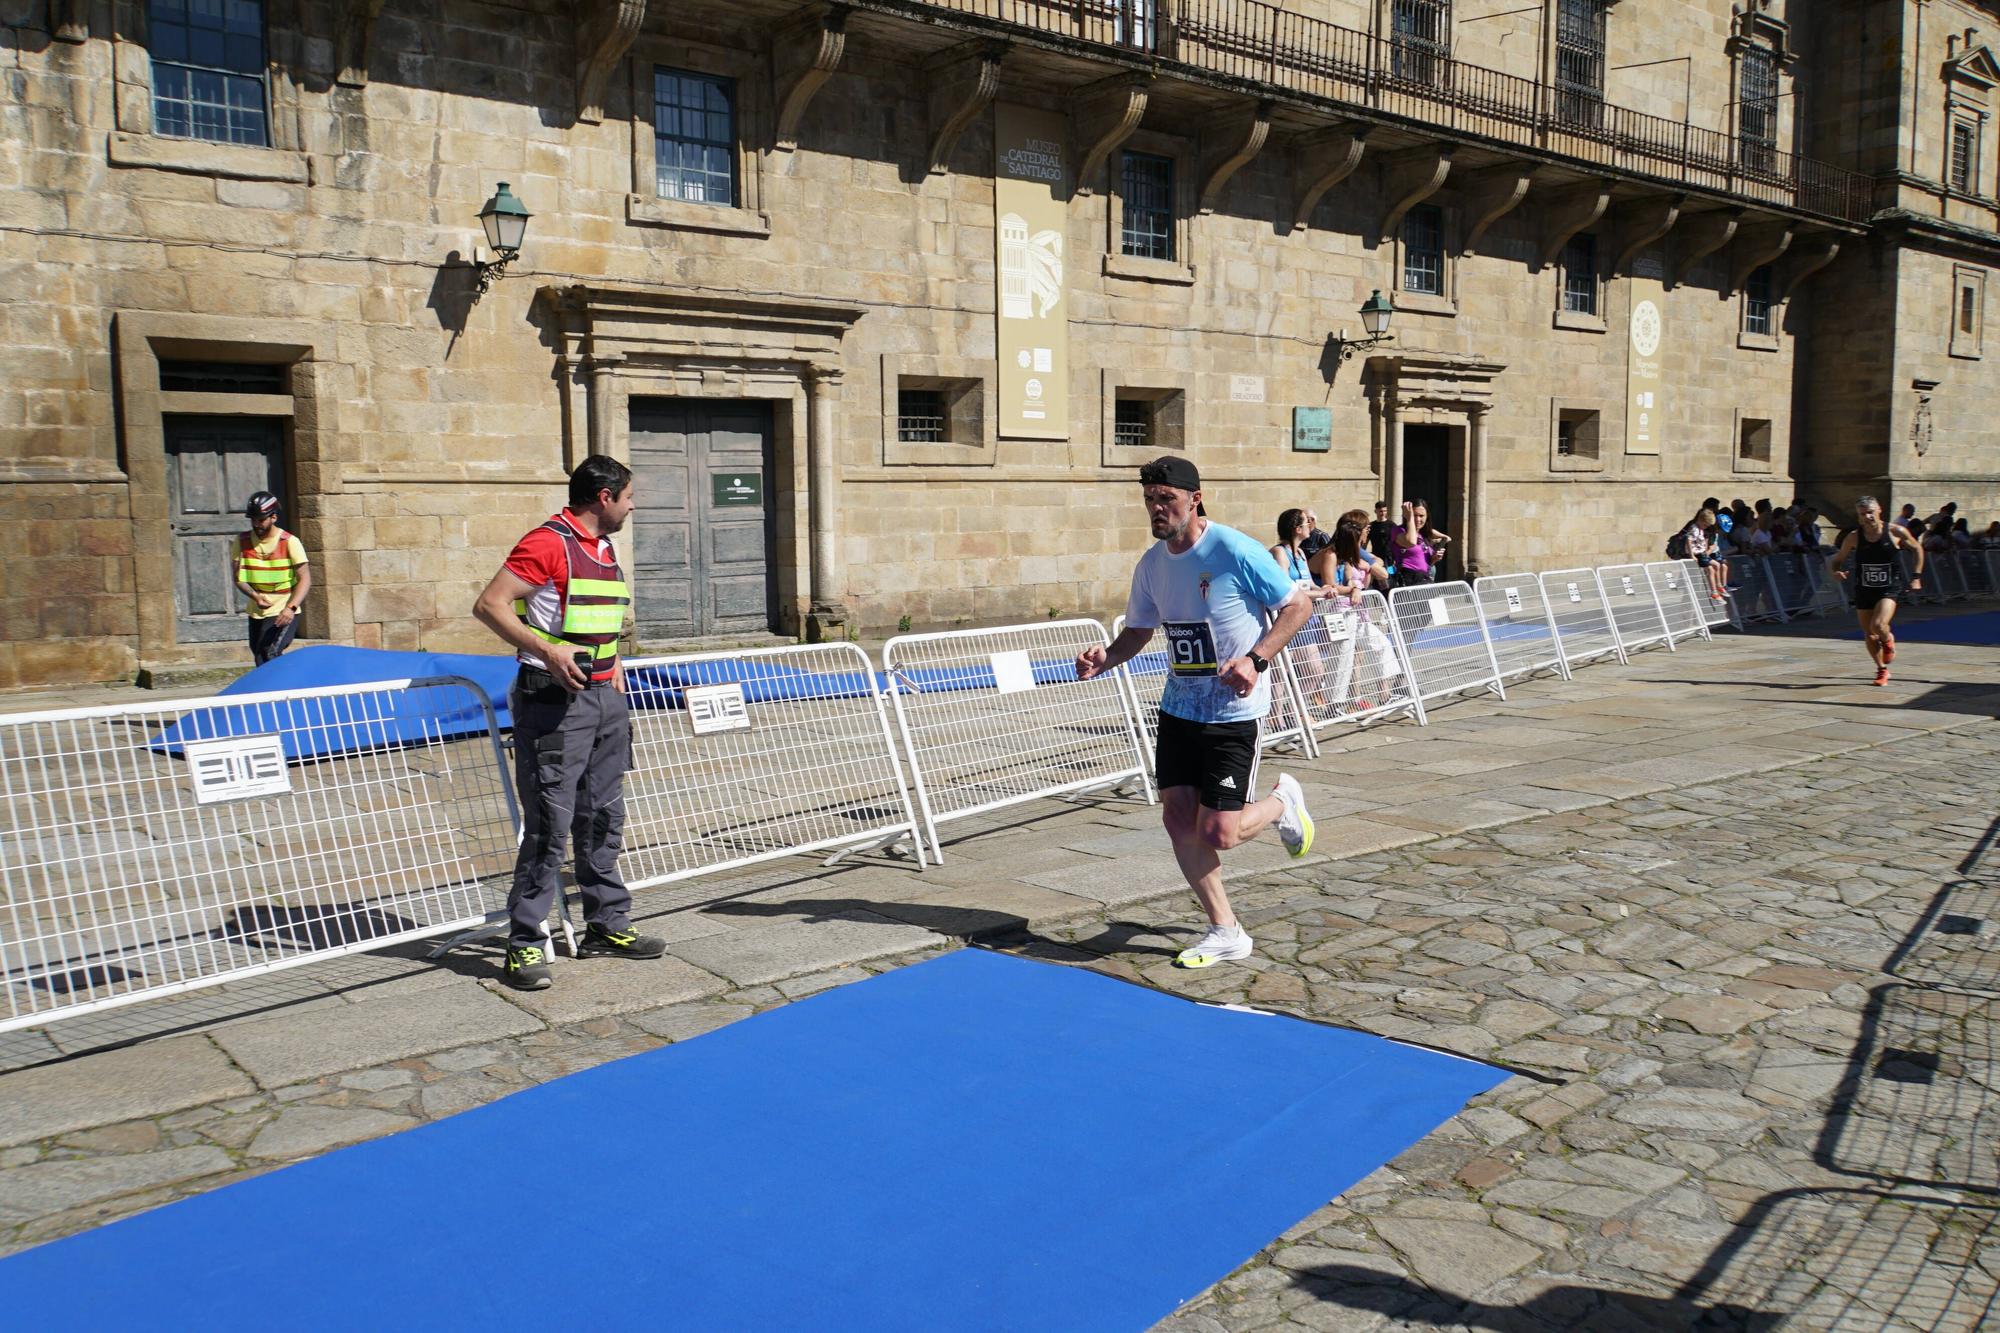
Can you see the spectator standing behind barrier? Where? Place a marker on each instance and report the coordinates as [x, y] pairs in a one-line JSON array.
[[1419, 547], [1205, 587], [271, 570], [1317, 539], [1378, 572], [559, 601], [1380, 532]]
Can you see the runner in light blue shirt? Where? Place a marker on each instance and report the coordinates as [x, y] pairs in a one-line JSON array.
[[1206, 588]]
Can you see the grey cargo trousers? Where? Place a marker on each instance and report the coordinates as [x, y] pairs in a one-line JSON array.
[[570, 756]]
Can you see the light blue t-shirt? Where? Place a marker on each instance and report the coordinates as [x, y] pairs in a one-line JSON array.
[[1209, 603]]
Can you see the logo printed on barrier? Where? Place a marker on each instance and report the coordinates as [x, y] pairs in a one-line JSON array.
[[236, 768], [1513, 600], [713, 708], [1339, 627], [1574, 595], [1626, 579]]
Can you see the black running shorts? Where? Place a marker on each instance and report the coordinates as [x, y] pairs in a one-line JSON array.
[[1218, 759]]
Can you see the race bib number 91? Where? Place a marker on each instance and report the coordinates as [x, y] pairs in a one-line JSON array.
[[1190, 647]]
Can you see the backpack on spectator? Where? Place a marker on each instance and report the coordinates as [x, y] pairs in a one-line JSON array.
[[1677, 545]]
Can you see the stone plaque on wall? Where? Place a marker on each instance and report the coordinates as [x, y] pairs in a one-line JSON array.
[[1030, 206], [1645, 385], [1312, 430]]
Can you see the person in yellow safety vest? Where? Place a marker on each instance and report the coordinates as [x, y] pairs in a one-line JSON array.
[[559, 602], [270, 567]]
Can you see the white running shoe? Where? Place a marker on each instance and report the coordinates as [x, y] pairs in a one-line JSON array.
[[1295, 826], [1222, 944]]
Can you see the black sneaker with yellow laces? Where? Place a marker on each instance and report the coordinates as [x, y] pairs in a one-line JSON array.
[[527, 968], [597, 942]]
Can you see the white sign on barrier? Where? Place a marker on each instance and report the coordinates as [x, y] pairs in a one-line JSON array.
[[1574, 595], [237, 768], [1440, 613], [1513, 602], [1339, 629], [713, 708], [1625, 582], [1013, 673]]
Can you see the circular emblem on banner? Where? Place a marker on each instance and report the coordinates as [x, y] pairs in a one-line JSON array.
[[1645, 328], [1034, 389], [1022, 359]]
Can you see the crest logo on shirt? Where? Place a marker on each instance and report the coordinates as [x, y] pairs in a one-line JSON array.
[[1205, 576]]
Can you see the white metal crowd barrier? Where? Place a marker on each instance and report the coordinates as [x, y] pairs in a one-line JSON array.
[[1349, 668], [1755, 595], [1677, 597], [1977, 567], [155, 848], [746, 756], [1791, 577], [994, 717], [1714, 610], [1437, 627], [1287, 726], [1829, 594], [1577, 605], [1950, 577], [1634, 608], [1930, 591], [1514, 609]]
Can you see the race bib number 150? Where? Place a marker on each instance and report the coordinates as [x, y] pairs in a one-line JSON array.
[[1190, 648]]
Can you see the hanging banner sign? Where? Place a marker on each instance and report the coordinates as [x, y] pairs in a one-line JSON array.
[[1645, 384], [1031, 213]]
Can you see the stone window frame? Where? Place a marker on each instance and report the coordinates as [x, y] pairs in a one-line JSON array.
[[1561, 462], [1444, 302], [1175, 389], [752, 77], [1961, 114], [1581, 321], [140, 340], [1751, 463], [1180, 270], [1967, 280], [968, 385], [1747, 338], [132, 142]]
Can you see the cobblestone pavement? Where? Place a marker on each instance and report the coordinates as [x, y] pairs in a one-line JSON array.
[[1754, 1015]]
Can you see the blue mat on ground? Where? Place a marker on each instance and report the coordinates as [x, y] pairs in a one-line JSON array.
[[975, 1142], [317, 728], [1981, 628]]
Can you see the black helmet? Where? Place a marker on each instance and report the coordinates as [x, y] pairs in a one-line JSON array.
[[261, 505]]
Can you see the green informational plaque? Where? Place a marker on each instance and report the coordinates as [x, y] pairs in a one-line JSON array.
[[1312, 429], [736, 488]]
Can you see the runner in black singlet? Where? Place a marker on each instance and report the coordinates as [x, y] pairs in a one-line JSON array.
[[1878, 578]]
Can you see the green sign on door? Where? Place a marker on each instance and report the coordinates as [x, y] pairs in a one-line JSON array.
[[736, 488]]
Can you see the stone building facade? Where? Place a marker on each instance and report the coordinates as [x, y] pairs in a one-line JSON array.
[[1635, 260]]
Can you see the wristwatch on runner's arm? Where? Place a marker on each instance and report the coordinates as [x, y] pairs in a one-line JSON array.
[[1262, 664]]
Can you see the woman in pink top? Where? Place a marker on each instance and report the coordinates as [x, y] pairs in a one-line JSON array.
[[1419, 547]]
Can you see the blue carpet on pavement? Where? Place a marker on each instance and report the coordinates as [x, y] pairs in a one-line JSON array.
[[974, 1142], [1982, 628]]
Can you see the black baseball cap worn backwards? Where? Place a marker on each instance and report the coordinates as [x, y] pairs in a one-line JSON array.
[[1171, 470]]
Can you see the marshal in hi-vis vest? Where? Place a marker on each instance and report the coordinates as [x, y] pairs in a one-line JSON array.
[[590, 608], [273, 573]]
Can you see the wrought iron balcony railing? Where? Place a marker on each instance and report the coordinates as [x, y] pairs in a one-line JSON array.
[[1261, 43]]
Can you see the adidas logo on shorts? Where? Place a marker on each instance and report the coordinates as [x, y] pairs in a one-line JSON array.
[[1229, 782]]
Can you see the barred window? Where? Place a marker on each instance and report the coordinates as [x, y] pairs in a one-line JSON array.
[[1757, 114], [1579, 271], [1580, 62], [1964, 157], [1420, 40], [1132, 422], [1148, 198], [694, 136], [1757, 301], [208, 70], [1423, 250], [1576, 433], [920, 417]]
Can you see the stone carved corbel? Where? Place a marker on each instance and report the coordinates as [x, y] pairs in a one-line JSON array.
[[1569, 214], [71, 20], [1105, 114], [1320, 161], [1645, 223], [1756, 248], [1410, 178], [605, 29], [1242, 143], [1492, 194], [807, 52], [1702, 234], [354, 21], [1821, 251], [963, 83]]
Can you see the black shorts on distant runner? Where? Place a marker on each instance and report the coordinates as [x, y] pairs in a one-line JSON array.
[[1219, 759]]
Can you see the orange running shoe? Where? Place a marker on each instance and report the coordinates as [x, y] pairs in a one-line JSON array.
[[1888, 648], [1882, 675]]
